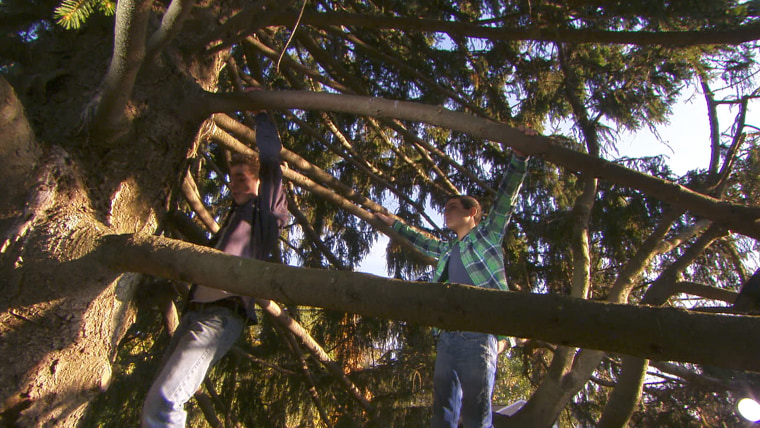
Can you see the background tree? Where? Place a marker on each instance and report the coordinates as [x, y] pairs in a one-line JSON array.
[[123, 124]]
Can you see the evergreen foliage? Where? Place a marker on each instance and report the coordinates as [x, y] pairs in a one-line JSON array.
[[71, 14], [413, 168]]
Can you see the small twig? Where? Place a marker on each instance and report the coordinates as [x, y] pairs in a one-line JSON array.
[[290, 39]]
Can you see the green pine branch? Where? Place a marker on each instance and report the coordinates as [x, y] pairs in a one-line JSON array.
[[71, 14]]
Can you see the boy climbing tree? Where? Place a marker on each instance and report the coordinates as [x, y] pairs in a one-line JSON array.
[[465, 365]]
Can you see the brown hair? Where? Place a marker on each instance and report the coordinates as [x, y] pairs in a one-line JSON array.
[[470, 202], [252, 162]]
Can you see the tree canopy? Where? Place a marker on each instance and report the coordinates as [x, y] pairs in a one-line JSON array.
[[118, 123]]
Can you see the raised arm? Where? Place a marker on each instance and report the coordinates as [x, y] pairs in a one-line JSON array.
[[430, 246], [495, 225], [272, 206]]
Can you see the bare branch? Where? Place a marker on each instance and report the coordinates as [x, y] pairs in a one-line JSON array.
[[736, 143], [738, 35], [636, 265], [401, 129], [403, 66], [291, 325], [663, 288], [231, 143], [313, 235], [171, 24], [712, 115], [575, 91], [314, 172], [739, 218], [271, 53], [355, 160], [190, 190]]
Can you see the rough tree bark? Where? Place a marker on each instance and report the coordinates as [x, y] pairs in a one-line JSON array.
[[57, 303]]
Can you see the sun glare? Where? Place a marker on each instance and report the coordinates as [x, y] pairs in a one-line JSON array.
[[749, 409]]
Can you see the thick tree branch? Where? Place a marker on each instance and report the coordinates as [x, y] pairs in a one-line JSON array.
[[738, 218], [664, 287], [741, 34], [128, 53], [583, 205], [658, 333], [626, 394], [618, 410]]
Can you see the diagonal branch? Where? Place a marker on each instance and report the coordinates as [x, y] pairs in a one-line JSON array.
[[704, 291], [290, 62], [313, 393], [712, 115], [738, 218], [312, 171], [190, 191], [293, 327], [313, 235], [171, 24], [401, 129], [403, 66], [350, 193], [736, 143], [232, 144]]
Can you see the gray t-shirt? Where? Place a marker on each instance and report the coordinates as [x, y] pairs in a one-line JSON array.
[[235, 240], [457, 272]]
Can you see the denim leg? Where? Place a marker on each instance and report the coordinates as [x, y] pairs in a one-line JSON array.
[[200, 340], [465, 370], [477, 375], [447, 391]]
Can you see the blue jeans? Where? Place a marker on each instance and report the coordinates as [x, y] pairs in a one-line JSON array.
[[201, 339], [465, 371]]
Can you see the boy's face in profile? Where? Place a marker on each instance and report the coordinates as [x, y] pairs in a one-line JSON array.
[[244, 185], [456, 215]]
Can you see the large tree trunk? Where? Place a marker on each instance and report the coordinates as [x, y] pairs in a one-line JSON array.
[[58, 303]]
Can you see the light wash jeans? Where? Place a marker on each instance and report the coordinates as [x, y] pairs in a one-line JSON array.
[[201, 339], [465, 371]]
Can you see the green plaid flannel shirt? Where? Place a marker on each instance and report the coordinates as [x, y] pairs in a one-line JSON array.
[[481, 250]]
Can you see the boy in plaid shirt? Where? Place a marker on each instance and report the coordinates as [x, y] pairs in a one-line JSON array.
[[465, 366]]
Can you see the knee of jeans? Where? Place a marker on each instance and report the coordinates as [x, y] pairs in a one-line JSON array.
[[158, 411]]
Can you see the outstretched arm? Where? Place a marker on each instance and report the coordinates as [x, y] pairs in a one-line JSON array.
[[431, 246]]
